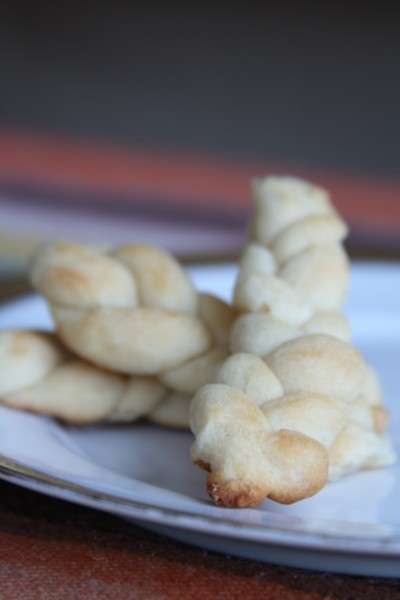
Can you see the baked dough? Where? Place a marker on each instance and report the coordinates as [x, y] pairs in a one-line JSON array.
[[281, 427], [293, 272], [143, 339], [295, 405], [39, 375], [134, 310]]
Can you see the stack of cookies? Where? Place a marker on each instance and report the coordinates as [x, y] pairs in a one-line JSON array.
[[282, 402], [133, 339]]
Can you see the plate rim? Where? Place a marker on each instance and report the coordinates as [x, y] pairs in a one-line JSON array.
[[330, 541]]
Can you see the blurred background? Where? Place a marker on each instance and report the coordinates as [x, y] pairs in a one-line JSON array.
[[121, 122]]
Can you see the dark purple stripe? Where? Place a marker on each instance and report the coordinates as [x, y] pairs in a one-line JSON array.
[[129, 206], [122, 205]]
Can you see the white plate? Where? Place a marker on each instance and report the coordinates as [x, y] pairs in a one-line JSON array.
[[144, 473]]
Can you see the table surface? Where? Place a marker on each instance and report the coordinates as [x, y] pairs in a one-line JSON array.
[[52, 549]]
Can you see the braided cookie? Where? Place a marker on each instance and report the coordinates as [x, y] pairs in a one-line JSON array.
[[293, 272], [295, 405], [133, 310], [281, 427], [37, 374]]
